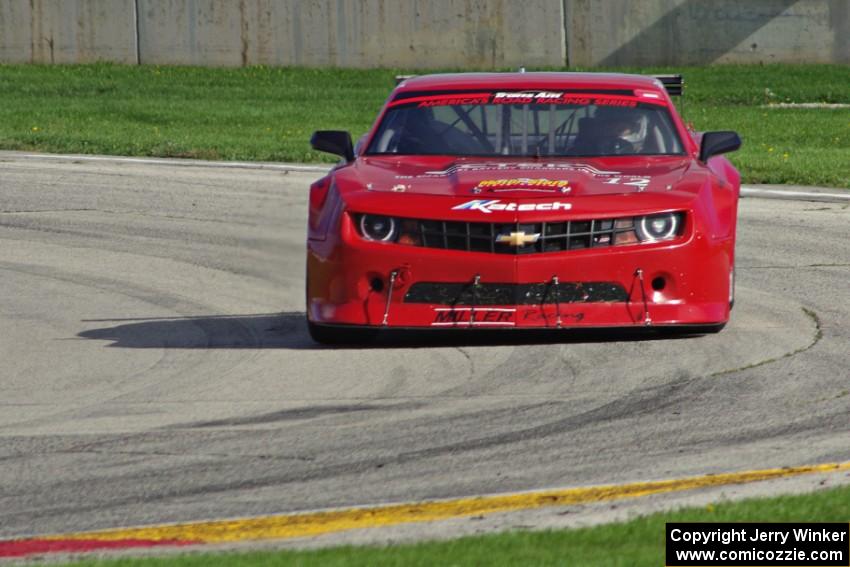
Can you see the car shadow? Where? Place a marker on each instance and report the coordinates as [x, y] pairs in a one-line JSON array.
[[267, 330], [288, 330]]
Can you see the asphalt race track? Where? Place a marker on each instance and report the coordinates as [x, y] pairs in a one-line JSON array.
[[156, 366]]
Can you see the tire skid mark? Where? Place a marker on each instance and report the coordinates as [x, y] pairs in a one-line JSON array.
[[629, 406], [817, 336]]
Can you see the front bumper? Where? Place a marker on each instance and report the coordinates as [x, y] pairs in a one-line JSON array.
[[681, 283]]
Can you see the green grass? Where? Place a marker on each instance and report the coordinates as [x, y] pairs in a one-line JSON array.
[[637, 542], [262, 113]]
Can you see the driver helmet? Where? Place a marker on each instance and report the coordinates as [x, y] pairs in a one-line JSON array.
[[626, 123]]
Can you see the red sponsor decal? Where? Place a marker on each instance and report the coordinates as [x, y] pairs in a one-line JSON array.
[[445, 99], [454, 101], [616, 101]]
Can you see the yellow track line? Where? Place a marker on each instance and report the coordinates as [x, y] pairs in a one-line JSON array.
[[315, 523]]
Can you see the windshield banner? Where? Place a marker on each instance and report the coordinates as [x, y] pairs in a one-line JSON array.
[[524, 97]]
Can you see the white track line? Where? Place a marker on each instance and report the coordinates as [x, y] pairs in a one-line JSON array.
[[172, 161], [795, 195]]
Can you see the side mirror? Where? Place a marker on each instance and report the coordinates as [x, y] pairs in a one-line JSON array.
[[716, 143], [337, 142]]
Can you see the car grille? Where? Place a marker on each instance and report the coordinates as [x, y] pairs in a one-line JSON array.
[[554, 236], [514, 294]]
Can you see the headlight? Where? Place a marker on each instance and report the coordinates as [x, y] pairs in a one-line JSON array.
[[658, 227], [379, 228]]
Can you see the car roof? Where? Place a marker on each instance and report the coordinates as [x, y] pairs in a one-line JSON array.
[[535, 80]]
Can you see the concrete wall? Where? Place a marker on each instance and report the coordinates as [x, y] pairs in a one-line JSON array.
[[681, 32], [425, 33], [362, 33], [72, 31]]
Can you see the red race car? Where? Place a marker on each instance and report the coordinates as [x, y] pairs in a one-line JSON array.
[[523, 200]]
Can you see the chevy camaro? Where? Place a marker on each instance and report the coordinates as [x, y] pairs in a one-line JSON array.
[[523, 200]]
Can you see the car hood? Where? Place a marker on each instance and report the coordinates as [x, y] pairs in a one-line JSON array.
[[518, 179]]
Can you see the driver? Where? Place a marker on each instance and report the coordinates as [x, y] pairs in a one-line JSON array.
[[611, 131], [618, 130]]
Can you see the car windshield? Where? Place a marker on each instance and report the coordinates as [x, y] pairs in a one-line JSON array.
[[525, 124]]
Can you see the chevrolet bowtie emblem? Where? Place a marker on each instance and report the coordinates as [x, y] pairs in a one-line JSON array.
[[517, 238]]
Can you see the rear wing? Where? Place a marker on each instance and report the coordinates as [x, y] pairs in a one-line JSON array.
[[673, 84]]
